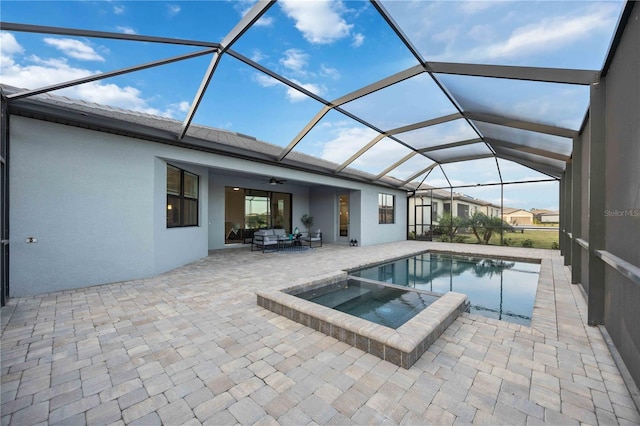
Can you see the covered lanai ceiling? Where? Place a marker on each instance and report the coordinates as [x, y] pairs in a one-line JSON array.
[[397, 91]]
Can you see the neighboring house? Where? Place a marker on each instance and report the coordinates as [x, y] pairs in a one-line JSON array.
[[101, 195], [517, 216], [428, 204], [551, 217], [545, 216]]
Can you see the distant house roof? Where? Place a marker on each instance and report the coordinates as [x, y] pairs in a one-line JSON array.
[[540, 211], [511, 210], [442, 194]]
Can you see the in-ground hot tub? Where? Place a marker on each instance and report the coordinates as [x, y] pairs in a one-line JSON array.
[[418, 326]]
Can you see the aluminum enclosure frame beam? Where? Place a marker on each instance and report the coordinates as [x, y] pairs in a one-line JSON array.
[[240, 28], [102, 76], [43, 29], [547, 75], [529, 149], [520, 124]]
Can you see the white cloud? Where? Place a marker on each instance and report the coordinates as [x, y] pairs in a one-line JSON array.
[[244, 6], [264, 21], [8, 45], [481, 32], [448, 35], [74, 48], [118, 10], [257, 55], [265, 80], [329, 72], [472, 7], [318, 21], [548, 34], [36, 72], [358, 40], [126, 30], [184, 106], [295, 60], [347, 141], [173, 9], [296, 96]]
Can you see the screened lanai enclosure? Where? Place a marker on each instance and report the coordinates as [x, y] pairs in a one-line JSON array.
[[473, 95], [411, 112]]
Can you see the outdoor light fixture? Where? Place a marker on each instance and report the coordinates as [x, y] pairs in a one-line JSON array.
[[169, 207], [236, 189], [274, 181]]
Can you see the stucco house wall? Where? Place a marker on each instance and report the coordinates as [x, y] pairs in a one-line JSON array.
[[95, 203]]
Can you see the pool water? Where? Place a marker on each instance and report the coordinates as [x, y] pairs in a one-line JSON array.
[[377, 303], [496, 288]]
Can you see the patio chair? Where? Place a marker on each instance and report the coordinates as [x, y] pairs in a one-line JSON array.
[[313, 239]]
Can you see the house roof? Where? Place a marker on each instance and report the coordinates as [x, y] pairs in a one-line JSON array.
[[511, 210], [477, 118], [137, 124], [443, 194], [539, 211]]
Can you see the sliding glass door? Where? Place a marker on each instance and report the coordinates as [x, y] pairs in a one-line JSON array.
[[247, 210]]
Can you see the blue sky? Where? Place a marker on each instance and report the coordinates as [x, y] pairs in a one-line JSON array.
[[331, 49]]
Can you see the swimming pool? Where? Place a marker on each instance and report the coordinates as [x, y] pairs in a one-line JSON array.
[[381, 304], [496, 288]]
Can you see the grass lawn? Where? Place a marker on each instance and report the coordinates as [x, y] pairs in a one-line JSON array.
[[540, 239]]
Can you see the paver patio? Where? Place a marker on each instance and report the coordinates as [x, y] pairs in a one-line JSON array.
[[192, 347]]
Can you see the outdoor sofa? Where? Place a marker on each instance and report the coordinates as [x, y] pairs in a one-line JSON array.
[[267, 239], [273, 239]]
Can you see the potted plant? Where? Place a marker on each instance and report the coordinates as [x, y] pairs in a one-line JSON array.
[[307, 221]]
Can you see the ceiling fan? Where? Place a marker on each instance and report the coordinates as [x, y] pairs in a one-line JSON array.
[[275, 181]]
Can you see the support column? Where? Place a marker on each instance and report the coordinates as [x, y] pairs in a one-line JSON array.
[[568, 213], [561, 225], [597, 201], [576, 210], [4, 200]]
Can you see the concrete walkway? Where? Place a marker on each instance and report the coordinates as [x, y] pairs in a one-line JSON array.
[[191, 347]]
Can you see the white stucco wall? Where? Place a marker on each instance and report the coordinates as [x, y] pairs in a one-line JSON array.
[[370, 231], [88, 200], [96, 204]]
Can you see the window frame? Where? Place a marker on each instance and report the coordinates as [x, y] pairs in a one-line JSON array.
[[386, 209], [181, 200]]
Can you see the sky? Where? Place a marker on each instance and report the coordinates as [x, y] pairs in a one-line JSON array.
[[331, 49]]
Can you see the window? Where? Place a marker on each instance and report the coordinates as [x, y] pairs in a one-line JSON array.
[[182, 198], [463, 210], [386, 208]]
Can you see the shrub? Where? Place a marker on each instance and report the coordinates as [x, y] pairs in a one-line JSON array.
[[527, 243], [507, 242], [460, 239], [444, 238], [555, 246], [484, 226]]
